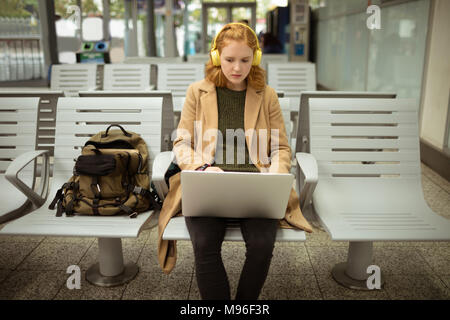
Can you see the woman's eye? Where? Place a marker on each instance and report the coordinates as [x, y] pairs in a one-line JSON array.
[[245, 61]]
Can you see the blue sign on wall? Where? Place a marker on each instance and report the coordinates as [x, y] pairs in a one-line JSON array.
[[299, 49]]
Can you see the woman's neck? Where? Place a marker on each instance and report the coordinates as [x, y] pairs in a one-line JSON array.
[[237, 87]]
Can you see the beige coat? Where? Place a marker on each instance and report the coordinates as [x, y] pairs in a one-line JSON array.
[[262, 111]]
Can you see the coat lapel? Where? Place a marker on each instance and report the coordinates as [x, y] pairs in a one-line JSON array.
[[253, 100], [209, 105]]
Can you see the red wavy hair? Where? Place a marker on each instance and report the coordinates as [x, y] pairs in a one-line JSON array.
[[237, 32]]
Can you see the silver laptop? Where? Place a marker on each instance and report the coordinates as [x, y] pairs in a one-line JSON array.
[[235, 194]]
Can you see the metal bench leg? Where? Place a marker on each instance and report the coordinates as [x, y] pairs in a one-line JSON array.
[[353, 273], [110, 270]]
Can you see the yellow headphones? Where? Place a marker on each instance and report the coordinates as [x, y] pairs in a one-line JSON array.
[[215, 56]]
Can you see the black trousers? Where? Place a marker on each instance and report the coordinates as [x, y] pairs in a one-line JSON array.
[[207, 235]]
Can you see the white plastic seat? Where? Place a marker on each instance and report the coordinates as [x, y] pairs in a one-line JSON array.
[[123, 77], [176, 228], [72, 78], [77, 120], [178, 76], [18, 125], [365, 180], [267, 58], [292, 77]]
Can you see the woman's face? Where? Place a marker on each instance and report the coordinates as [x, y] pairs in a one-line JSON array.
[[236, 61]]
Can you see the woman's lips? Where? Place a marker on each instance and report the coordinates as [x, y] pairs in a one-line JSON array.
[[236, 75]]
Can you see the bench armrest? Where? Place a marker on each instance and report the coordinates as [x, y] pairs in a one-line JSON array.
[[307, 177], [160, 166], [11, 174]]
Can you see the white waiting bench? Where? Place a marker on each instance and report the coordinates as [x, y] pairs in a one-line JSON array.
[[153, 62], [72, 78], [364, 177], [77, 120], [126, 77], [177, 77], [18, 124]]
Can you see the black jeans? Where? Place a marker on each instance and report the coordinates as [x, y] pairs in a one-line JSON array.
[[207, 235]]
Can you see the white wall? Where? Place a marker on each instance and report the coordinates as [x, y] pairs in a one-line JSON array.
[[437, 78]]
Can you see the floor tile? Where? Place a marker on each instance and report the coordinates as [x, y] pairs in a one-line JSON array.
[[435, 177], [323, 258], [148, 260], [290, 287], [391, 260], [89, 291], [416, 287], [9, 238], [289, 260], [332, 290], [319, 237], [3, 274], [31, 285], [13, 253], [70, 240], [54, 256], [233, 280], [158, 286], [438, 258]]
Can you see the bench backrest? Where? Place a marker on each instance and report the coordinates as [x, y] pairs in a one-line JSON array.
[[302, 139], [46, 121], [18, 118], [167, 109], [178, 76], [286, 111], [368, 138], [72, 78], [198, 58], [126, 77], [292, 78], [267, 58], [80, 118]]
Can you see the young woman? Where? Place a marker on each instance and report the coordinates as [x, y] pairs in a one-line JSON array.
[[233, 96]]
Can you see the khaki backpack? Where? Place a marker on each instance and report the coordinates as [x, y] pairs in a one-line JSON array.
[[110, 177]]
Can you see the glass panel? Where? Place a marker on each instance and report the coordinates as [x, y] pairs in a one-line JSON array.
[[397, 51], [21, 56], [239, 14], [217, 18], [68, 21]]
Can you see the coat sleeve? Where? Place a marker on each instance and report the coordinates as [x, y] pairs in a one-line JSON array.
[[280, 151], [184, 143]]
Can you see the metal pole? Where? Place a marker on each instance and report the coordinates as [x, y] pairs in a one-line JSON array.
[[151, 38]]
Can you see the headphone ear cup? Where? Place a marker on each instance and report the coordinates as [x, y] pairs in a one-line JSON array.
[[257, 57], [215, 57]]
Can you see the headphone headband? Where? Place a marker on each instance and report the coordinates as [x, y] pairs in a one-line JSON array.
[[215, 57]]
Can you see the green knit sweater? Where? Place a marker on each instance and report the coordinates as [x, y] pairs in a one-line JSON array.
[[231, 105]]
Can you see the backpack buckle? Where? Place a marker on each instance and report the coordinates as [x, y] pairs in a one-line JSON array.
[[133, 215]]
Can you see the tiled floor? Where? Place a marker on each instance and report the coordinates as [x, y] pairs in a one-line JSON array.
[[35, 267]]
